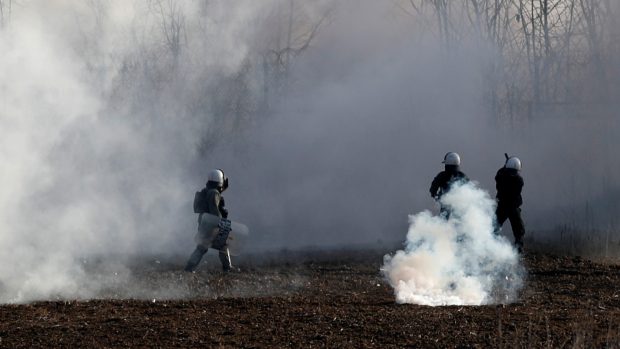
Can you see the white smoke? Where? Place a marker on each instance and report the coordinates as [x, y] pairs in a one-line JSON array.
[[458, 261], [100, 123]]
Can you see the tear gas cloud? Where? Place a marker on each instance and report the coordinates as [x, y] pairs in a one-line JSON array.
[[330, 119], [456, 261], [100, 125]]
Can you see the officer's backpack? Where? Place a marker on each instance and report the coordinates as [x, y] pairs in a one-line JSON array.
[[200, 202]]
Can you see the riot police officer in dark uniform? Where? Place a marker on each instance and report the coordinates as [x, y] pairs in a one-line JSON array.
[[444, 179], [210, 200], [509, 184]]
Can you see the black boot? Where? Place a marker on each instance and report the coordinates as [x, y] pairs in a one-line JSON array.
[[519, 245], [225, 259]]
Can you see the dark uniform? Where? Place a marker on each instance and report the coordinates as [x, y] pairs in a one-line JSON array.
[[442, 182], [214, 205], [509, 184]]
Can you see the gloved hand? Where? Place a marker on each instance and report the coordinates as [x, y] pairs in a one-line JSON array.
[[224, 212]]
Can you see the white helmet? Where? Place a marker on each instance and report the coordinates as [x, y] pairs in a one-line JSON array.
[[514, 163], [452, 158], [216, 176]]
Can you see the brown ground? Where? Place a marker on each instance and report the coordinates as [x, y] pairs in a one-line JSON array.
[[334, 301]]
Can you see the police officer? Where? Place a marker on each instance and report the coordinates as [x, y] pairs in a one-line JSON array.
[[210, 200], [444, 179], [509, 184]]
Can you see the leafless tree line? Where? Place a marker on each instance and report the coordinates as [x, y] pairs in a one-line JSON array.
[[169, 44], [166, 52], [552, 56]]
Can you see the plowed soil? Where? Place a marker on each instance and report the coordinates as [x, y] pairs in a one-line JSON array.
[[327, 300]]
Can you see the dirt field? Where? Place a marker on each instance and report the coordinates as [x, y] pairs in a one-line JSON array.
[[327, 300]]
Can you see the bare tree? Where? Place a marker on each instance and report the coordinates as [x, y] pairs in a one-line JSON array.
[[172, 25], [293, 34], [299, 34]]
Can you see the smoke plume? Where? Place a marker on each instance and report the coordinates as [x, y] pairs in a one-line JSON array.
[[103, 110], [112, 112], [458, 261]]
